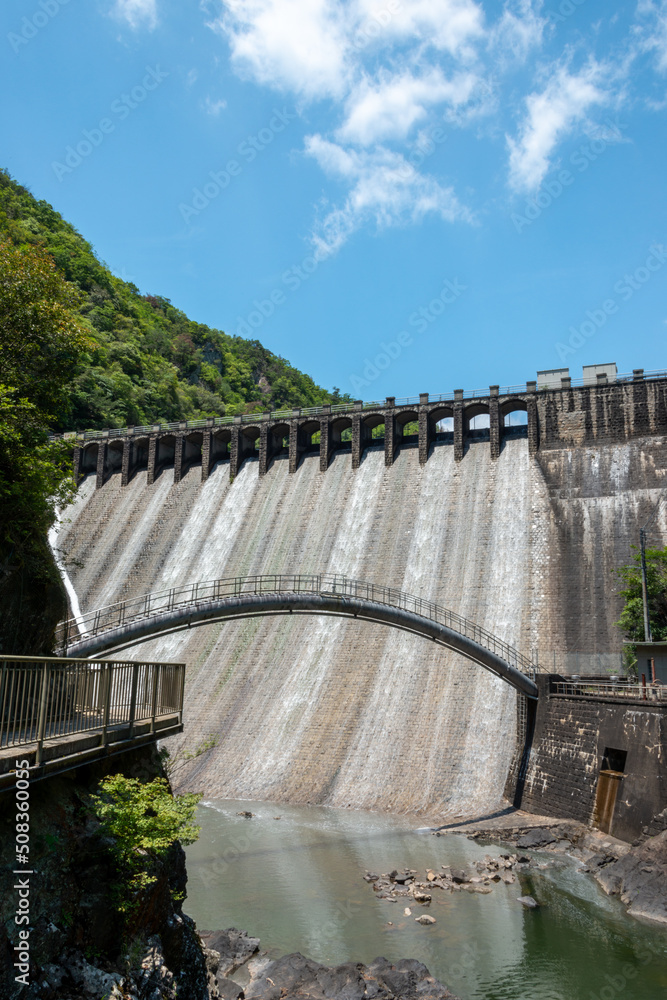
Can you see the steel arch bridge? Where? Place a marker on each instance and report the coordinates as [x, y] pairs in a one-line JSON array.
[[139, 619]]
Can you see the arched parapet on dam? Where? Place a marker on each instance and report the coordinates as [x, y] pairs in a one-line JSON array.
[[555, 417], [139, 619]]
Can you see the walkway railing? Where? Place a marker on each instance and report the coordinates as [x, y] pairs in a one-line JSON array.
[[135, 609], [44, 698], [340, 408], [593, 688]]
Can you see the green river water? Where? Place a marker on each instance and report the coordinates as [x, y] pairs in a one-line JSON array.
[[296, 883]]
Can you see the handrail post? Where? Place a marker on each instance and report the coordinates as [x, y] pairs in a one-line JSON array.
[[156, 676], [3, 690], [133, 696], [108, 671], [41, 723], [182, 693]]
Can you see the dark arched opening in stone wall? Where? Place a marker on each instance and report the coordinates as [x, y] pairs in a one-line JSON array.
[[89, 459], [441, 425], [476, 422], [514, 419], [407, 428]]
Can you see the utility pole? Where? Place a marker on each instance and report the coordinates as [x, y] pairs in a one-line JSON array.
[[647, 622], [642, 548]]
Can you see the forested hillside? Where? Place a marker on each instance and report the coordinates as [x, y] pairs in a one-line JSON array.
[[146, 360]]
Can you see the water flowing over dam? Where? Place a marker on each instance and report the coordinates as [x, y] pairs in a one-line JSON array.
[[341, 712]]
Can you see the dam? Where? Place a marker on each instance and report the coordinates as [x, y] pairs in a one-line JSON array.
[[517, 529]]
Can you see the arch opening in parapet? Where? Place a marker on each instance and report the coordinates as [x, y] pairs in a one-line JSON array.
[[373, 426], [310, 434], [138, 455], [250, 438], [89, 459], [221, 446], [441, 425], [477, 422], [407, 428], [192, 451], [114, 462], [340, 434], [165, 453], [514, 419], [278, 441]]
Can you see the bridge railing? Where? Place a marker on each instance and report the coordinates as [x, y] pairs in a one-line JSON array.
[[42, 698], [193, 595], [339, 408], [592, 687]]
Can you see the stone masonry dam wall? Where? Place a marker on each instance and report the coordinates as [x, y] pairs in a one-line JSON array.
[[334, 711]]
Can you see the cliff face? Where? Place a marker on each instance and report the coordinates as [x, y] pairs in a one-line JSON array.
[[32, 598], [326, 710], [77, 945]]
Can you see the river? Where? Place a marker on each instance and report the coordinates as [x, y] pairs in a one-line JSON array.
[[297, 883]]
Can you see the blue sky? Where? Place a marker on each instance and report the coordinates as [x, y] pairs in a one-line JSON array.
[[398, 196]]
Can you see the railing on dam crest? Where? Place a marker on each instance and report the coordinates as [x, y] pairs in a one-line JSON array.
[[193, 595], [335, 409]]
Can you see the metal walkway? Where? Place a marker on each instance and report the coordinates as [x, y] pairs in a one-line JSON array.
[[57, 712], [138, 619]]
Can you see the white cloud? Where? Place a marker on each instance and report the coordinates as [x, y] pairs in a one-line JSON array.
[[449, 25], [212, 107], [387, 68], [296, 45], [550, 116], [389, 107], [519, 30], [137, 13], [384, 189], [654, 34]]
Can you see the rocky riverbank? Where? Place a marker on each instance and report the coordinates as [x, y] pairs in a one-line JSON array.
[[636, 873], [294, 976]]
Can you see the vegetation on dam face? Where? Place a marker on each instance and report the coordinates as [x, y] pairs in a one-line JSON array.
[[631, 621], [145, 360]]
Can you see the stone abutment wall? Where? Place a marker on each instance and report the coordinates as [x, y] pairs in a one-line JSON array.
[[572, 734]]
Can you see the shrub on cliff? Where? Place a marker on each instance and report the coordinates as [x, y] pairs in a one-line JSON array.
[[143, 820]]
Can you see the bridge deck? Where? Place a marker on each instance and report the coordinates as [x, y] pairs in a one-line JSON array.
[[66, 752]]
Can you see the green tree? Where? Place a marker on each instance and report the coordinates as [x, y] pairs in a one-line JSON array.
[[143, 820], [631, 621], [41, 339], [146, 361]]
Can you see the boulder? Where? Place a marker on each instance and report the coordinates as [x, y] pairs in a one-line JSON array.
[[459, 876], [233, 946], [639, 878], [539, 836], [421, 897], [296, 976], [228, 989], [528, 902]]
